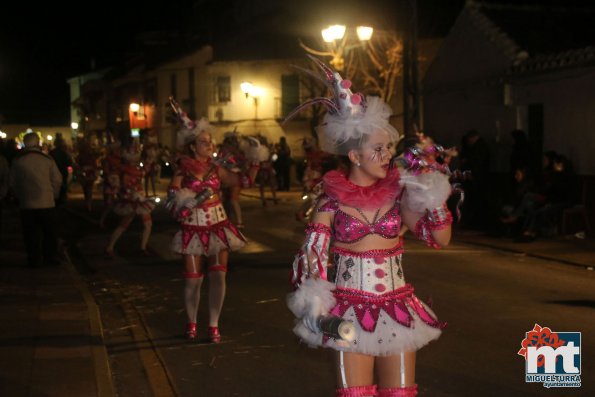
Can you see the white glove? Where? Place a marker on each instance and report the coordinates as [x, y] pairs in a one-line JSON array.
[[311, 322]]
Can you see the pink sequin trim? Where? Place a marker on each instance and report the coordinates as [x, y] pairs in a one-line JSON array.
[[204, 233], [380, 253], [395, 303]]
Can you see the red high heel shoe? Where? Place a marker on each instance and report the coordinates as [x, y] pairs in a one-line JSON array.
[[214, 335], [191, 331]]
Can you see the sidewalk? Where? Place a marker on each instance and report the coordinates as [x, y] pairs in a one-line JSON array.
[[50, 328]]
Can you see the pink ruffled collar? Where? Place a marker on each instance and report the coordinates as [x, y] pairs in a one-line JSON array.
[[338, 187]]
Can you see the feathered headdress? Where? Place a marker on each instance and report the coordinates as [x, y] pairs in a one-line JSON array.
[[189, 128], [349, 117]]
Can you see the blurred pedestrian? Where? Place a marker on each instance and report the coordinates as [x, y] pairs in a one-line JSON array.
[[87, 171], [150, 162], [111, 166], [131, 202], [266, 176], [64, 163], [283, 164], [231, 157], [36, 181]]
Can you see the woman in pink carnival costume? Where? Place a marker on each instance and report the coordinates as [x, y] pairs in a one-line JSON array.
[[206, 235], [358, 220], [131, 201]]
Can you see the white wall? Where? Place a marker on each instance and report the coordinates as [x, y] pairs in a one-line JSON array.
[[568, 99]]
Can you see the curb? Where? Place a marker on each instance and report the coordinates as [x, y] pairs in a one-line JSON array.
[[103, 373]]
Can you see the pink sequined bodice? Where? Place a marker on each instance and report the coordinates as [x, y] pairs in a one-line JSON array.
[[197, 185], [349, 229]]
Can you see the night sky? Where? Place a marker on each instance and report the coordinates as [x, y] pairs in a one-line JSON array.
[[42, 46]]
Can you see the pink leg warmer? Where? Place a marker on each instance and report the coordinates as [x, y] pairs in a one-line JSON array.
[[410, 391], [357, 391]]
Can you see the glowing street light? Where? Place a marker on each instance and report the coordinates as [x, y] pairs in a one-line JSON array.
[[74, 125], [134, 107], [254, 92], [340, 43]]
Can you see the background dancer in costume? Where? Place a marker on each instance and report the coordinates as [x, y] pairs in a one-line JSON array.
[[111, 166], [87, 170], [131, 201], [206, 234], [231, 157], [360, 216]]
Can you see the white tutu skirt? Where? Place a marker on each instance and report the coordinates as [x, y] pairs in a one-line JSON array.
[[140, 206], [207, 231], [371, 293]]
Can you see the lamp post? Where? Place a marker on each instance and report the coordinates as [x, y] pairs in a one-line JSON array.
[[340, 42]]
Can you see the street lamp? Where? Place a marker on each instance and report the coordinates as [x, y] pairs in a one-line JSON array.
[[134, 107], [254, 92], [340, 43]]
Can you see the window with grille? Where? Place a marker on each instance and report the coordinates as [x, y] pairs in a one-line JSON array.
[[223, 89]]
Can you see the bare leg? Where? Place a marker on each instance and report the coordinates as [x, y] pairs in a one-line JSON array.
[[354, 371], [147, 223], [153, 176], [117, 233], [217, 286], [261, 189], [396, 375], [194, 278]]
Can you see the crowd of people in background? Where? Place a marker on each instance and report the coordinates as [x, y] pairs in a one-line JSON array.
[[529, 206]]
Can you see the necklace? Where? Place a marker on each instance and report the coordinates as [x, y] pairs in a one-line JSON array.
[[366, 218]]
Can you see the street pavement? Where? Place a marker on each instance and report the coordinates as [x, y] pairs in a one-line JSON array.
[[91, 327]]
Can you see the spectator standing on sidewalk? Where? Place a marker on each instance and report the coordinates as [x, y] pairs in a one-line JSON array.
[[35, 181], [283, 164], [64, 162]]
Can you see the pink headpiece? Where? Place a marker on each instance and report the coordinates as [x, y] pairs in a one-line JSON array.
[[190, 128], [350, 116]]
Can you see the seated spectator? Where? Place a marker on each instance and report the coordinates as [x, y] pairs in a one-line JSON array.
[[559, 194], [522, 200]]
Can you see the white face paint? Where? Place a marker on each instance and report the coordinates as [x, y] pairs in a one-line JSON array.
[[203, 145], [375, 154]]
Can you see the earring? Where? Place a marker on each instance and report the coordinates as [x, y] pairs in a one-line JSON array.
[[358, 164]]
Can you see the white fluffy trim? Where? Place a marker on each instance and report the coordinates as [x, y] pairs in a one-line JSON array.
[[425, 191], [313, 298], [184, 198]]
